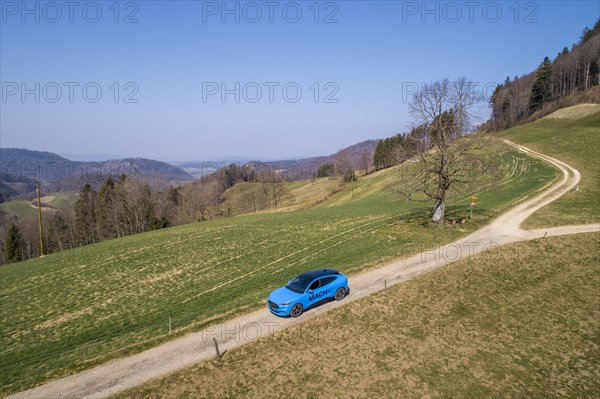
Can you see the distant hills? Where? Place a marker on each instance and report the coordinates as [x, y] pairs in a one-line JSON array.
[[293, 169], [359, 156], [19, 168], [90, 157]]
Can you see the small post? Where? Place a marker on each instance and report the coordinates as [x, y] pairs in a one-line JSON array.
[[219, 354], [169, 325], [385, 284]]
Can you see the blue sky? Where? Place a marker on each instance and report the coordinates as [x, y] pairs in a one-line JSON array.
[[161, 68]]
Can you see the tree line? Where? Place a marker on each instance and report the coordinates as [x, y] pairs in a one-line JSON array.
[[571, 74], [400, 147]]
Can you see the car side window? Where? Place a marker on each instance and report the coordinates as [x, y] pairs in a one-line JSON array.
[[326, 280], [316, 284]]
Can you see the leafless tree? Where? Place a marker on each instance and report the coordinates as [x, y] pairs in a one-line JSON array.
[[446, 111], [197, 201], [342, 166], [272, 187], [366, 161], [247, 198]]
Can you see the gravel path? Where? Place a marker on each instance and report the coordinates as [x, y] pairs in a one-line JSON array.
[[124, 373]]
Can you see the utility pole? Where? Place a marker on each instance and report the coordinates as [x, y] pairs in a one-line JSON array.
[[39, 203]]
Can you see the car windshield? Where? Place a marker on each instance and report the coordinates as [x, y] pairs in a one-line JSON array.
[[298, 284]]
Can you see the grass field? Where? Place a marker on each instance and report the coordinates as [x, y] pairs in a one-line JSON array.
[[573, 136], [61, 200], [72, 310], [523, 322], [18, 208], [24, 209]]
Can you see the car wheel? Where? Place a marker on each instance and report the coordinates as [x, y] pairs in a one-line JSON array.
[[297, 310], [340, 294]]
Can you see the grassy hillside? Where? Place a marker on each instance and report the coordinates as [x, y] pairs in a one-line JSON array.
[[523, 322], [24, 209], [247, 197], [18, 208], [72, 310], [61, 200], [573, 136]]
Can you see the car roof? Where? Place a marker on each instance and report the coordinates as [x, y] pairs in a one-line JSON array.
[[313, 274]]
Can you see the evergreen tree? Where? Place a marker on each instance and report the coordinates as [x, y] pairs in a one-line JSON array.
[[173, 195], [85, 215], [326, 170], [378, 155], [13, 244], [106, 223], [541, 92]]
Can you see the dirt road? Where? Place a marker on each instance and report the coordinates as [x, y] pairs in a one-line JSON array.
[[121, 374]]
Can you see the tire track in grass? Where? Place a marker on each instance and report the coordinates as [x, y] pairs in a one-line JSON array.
[[282, 258], [157, 312]]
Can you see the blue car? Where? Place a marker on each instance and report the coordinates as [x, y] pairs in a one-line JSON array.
[[306, 290]]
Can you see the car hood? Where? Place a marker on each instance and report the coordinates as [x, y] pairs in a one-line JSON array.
[[283, 295]]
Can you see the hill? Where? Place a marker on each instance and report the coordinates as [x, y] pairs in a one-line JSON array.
[[26, 208], [20, 167], [358, 155], [572, 135], [572, 77]]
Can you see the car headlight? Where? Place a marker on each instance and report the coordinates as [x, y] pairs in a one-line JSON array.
[[285, 303]]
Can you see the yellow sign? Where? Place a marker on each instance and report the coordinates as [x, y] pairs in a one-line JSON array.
[[473, 199]]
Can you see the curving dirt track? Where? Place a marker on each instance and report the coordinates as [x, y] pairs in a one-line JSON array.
[[121, 374]]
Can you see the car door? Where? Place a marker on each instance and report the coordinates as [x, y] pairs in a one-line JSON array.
[[316, 292], [327, 287]]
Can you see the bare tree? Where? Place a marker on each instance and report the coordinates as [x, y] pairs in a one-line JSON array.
[[247, 198], [272, 187], [279, 189], [445, 110], [365, 161], [197, 201], [342, 166]]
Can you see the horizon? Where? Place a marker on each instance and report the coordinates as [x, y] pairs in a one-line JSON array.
[[98, 157], [183, 81]]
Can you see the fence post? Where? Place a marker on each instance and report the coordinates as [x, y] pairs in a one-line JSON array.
[[219, 354]]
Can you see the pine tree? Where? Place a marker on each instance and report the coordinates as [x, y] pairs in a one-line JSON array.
[[13, 244], [85, 215], [106, 223], [378, 157], [541, 92]]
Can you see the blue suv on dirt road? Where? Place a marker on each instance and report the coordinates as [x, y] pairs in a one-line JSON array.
[[306, 290]]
